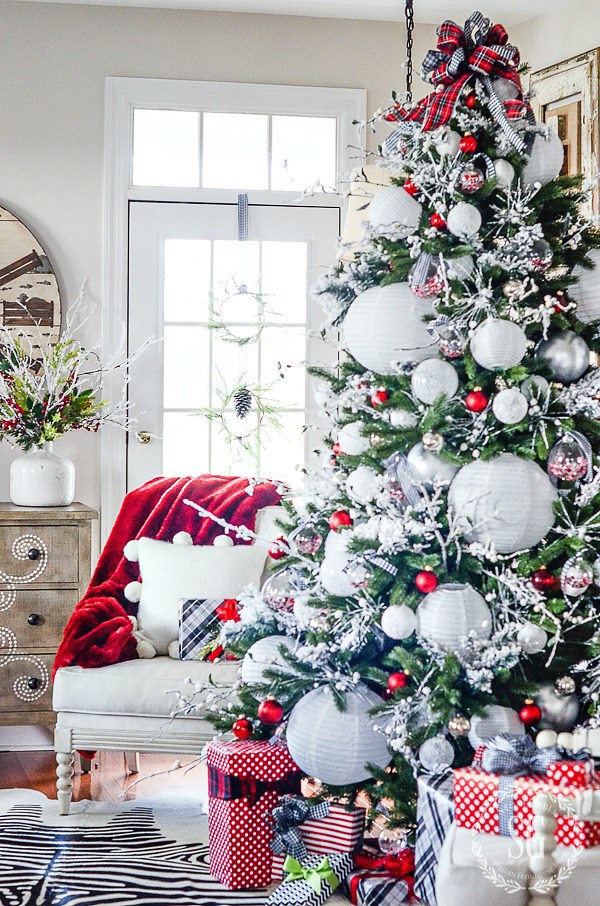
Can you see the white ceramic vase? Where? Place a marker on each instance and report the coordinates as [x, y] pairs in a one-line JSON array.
[[42, 478]]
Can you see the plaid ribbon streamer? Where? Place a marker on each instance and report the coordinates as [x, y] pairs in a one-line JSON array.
[[481, 50], [228, 786], [401, 466], [435, 814], [381, 562], [286, 819]]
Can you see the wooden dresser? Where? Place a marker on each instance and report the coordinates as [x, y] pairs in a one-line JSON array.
[[45, 561]]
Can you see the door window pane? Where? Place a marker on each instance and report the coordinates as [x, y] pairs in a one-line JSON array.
[[282, 365], [185, 444], [282, 452], [186, 367], [187, 280], [303, 152], [235, 151], [165, 148], [284, 281]]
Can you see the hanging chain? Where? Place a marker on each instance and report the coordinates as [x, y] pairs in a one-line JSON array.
[[410, 26]]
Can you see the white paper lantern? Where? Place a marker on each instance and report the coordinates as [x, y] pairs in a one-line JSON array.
[[427, 467], [452, 612], [586, 292], [333, 577], [332, 745], [449, 144], [498, 344], [495, 721], [507, 501], [351, 439], [384, 326], [264, 655], [398, 621], [510, 406], [362, 484], [393, 205], [459, 268], [436, 754], [434, 378], [545, 159], [532, 638], [505, 173], [464, 220]]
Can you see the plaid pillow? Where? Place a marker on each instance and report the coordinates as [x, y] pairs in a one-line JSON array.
[[198, 626]]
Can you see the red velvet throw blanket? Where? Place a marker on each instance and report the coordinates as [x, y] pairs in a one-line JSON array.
[[99, 631]]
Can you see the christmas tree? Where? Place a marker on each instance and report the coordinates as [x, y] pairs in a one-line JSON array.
[[438, 580]]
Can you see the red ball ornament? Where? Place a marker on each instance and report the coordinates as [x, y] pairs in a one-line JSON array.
[[397, 681], [340, 519], [270, 712], [530, 714], [380, 397], [426, 581], [437, 221], [476, 400], [410, 187], [279, 549], [542, 580], [336, 448], [471, 100], [242, 728], [468, 144]]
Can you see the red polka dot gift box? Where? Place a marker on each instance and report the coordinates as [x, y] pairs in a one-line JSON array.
[[502, 804], [245, 781]]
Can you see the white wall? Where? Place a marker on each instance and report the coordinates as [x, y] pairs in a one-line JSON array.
[[54, 59], [559, 34]]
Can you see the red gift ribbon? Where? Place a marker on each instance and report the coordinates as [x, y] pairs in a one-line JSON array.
[[228, 610], [229, 786], [396, 866]]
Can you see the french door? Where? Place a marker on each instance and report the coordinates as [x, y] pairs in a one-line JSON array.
[[227, 315]]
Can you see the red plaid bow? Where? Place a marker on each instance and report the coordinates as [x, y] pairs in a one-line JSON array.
[[400, 867], [479, 49], [228, 610]]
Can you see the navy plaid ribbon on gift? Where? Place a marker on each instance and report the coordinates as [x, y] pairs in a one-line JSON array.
[[481, 50], [229, 786], [286, 819]]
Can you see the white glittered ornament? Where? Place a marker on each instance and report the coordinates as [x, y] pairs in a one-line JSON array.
[[495, 721], [400, 418], [505, 173], [351, 439], [498, 344], [448, 145], [510, 406], [434, 378], [450, 614], [507, 501], [398, 621], [545, 159], [464, 220], [362, 484], [586, 292], [333, 576], [532, 638], [264, 655], [436, 754], [384, 326], [546, 739], [427, 467], [394, 205]]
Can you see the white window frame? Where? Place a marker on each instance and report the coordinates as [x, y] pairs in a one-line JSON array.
[[122, 97]]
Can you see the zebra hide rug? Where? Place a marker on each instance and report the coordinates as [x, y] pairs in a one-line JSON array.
[[149, 851]]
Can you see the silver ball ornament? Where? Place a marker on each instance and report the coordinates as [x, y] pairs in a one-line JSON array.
[[545, 158], [432, 441], [436, 754], [540, 256], [532, 638], [559, 712], [535, 387], [576, 577], [505, 173], [427, 468], [432, 379], [505, 89], [510, 406], [566, 355]]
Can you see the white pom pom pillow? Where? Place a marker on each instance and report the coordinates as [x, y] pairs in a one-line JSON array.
[[172, 572]]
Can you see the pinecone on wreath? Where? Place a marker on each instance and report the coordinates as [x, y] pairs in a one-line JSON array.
[[242, 402]]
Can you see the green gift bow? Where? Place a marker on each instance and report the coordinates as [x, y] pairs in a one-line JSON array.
[[312, 876]]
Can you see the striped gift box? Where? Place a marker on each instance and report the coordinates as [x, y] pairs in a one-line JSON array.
[[341, 831]]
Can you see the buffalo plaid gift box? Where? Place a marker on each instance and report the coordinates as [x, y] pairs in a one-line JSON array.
[[502, 803], [381, 880], [312, 881], [245, 780], [325, 827]]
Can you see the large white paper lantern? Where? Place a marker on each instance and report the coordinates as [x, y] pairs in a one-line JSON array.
[[394, 205], [264, 655], [498, 344], [332, 745], [351, 439], [586, 292], [434, 378], [449, 614], [384, 325], [464, 220], [545, 159], [507, 501], [495, 721]]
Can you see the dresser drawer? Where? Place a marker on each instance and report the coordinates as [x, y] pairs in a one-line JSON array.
[[39, 554], [17, 674], [38, 617]]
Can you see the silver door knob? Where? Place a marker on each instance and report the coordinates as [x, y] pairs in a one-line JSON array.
[[143, 437]]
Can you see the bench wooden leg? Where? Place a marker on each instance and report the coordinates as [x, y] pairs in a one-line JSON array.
[[64, 782], [132, 760]]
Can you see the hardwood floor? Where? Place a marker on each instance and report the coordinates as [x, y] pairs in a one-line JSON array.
[[107, 779]]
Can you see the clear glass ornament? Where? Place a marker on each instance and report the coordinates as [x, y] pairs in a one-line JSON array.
[[541, 256], [392, 841], [426, 279], [576, 577], [280, 589], [436, 754], [307, 539], [470, 180], [359, 573], [567, 461], [395, 478]]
